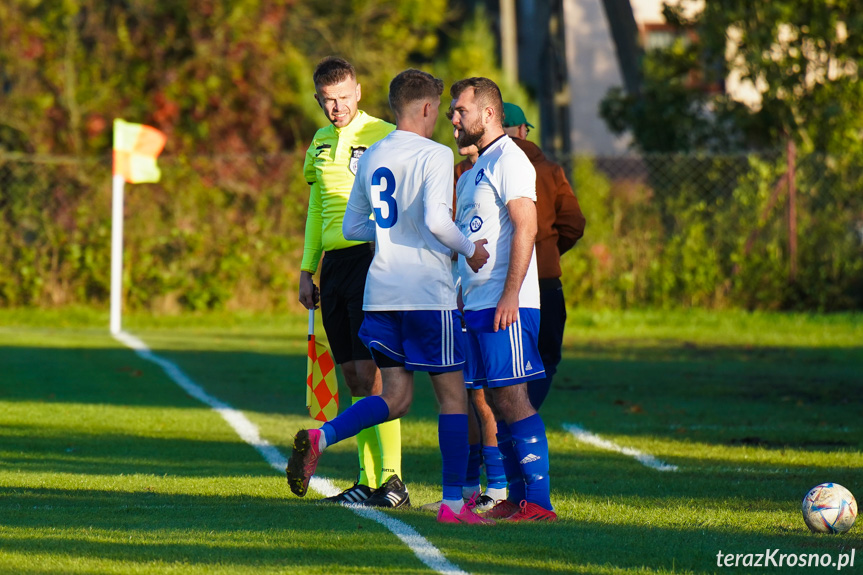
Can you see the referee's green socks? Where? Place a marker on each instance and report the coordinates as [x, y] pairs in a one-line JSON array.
[[369, 455], [389, 436]]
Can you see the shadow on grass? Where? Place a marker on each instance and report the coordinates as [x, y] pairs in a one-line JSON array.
[[737, 485], [145, 527], [119, 377], [649, 393], [54, 525], [646, 392], [60, 449], [775, 398]]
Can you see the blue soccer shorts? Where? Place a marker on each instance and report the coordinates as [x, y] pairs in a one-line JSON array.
[[424, 340], [505, 357]]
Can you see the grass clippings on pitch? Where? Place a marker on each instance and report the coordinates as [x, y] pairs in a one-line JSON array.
[[106, 466]]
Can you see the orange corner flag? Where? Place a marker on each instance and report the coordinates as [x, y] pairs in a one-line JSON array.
[[322, 387], [136, 148]]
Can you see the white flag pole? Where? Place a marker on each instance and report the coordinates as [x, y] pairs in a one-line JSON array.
[[309, 366], [116, 251]]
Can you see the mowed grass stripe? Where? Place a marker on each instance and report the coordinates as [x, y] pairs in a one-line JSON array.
[[108, 467], [248, 432], [751, 427]]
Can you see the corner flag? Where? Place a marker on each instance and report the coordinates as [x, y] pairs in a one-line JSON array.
[[322, 387], [136, 148]]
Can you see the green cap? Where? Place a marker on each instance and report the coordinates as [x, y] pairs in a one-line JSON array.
[[513, 116]]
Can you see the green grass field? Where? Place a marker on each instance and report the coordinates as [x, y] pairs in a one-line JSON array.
[[108, 466]]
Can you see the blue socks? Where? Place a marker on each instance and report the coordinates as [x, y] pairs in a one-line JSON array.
[[511, 467], [494, 473], [365, 413], [452, 437], [530, 445]]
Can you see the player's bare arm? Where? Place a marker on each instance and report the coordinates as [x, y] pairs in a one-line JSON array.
[[522, 213]]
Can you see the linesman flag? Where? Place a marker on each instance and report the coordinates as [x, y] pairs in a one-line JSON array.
[[136, 148], [322, 387]]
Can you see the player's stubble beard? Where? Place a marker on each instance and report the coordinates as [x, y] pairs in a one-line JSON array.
[[470, 135]]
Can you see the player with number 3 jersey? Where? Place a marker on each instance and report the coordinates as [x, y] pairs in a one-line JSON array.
[[400, 179], [411, 322]]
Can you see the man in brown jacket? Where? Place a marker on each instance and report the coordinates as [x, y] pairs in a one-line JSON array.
[[560, 225]]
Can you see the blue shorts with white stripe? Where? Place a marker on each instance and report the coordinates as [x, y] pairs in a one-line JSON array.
[[505, 357], [424, 340]]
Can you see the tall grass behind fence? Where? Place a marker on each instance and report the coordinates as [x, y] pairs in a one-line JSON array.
[[227, 232]]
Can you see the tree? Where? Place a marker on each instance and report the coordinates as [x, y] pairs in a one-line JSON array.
[[803, 58], [217, 77], [230, 82]]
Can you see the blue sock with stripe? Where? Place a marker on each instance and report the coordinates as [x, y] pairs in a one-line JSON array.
[[531, 448], [494, 473], [511, 468], [452, 437], [365, 413]]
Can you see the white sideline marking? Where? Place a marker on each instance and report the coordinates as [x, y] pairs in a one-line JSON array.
[[645, 459], [248, 432]]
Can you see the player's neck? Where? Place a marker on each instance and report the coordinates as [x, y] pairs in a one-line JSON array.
[[417, 127]]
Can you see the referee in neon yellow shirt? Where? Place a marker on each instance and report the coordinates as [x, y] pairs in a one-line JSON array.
[[329, 168]]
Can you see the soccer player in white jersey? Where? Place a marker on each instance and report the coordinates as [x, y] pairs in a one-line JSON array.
[[411, 321], [496, 201]]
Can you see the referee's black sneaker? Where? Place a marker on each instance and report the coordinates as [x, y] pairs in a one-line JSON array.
[[390, 495], [359, 493]]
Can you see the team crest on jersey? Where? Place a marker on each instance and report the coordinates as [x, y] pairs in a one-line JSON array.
[[476, 182], [355, 158], [475, 224]]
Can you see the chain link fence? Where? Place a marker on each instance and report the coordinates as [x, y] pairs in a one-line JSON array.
[[754, 231]]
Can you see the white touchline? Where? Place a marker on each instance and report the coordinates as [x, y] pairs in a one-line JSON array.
[[585, 436], [248, 432]]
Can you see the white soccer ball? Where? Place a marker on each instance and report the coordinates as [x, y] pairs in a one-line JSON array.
[[829, 508]]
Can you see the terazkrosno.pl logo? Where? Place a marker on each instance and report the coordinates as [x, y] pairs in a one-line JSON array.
[[774, 558]]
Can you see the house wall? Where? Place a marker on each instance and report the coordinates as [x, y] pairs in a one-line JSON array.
[[594, 68], [591, 59]]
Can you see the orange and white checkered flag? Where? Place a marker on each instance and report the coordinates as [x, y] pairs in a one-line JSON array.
[[322, 387]]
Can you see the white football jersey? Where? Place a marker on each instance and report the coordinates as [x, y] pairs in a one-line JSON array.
[[396, 178], [501, 173]]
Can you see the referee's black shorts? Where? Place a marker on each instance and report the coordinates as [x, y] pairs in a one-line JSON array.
[[343, 281]]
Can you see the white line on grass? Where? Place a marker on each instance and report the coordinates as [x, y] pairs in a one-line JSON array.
[[248, 432], [585, 436]]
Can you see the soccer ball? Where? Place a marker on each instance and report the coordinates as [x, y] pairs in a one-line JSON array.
[[829, 508]]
